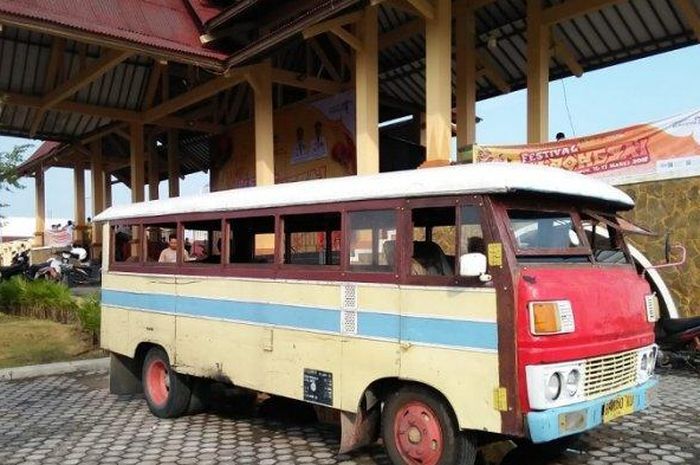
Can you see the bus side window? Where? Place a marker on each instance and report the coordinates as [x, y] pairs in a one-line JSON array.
[[126, 244], [252, 240], [471, 234], [161, 243], [203, 241], [373, 241], [312, 239], [434, 241]]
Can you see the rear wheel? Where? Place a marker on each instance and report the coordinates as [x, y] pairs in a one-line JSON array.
[[167, 392], [418, 428]]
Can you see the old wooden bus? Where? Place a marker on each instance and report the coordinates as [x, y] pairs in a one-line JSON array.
[[437, 308]]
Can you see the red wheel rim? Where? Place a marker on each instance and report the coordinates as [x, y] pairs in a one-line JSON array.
[[418, 434], [158, 382]]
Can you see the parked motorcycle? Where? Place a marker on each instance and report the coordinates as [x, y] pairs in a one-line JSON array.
[[18, 266], [679, 342], [71, 267]]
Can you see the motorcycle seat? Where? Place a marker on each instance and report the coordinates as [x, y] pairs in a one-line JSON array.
[[678, 325]]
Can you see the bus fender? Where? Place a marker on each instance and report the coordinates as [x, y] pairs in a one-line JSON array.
[[358, 429], [124, 375]]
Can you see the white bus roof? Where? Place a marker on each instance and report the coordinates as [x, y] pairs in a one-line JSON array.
[[485, 178]]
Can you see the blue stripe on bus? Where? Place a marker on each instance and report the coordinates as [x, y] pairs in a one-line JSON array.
[[447, 332]]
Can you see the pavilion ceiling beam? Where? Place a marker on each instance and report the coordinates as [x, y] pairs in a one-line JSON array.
[[328, 26], [152, 87], [691, 15], [401, 33], [116, 114], [491, 71], [52, 72], [564, 52], [347, 37], [345, 59], [197, 94], [292, 79], [571, 9], [87, 75], [327, 63]]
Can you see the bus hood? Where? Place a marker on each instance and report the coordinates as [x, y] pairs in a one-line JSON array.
[[608, 306]]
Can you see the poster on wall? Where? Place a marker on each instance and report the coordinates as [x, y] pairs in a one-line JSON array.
[[312, 140], [665, 149]]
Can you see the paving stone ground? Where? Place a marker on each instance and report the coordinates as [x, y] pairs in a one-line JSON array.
[[74, 420]]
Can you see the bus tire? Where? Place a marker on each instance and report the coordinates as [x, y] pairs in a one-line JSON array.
[[419, 428], [167, 392]]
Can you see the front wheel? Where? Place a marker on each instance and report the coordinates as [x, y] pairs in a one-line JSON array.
[[167, 392], [418, 428]]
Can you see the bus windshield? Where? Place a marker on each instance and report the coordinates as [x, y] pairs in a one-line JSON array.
[[543, 233]]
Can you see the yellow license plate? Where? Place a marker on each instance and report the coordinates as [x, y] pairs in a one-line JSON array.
[[618, 407]]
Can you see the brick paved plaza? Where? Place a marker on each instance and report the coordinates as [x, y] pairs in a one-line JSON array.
[[74, 420]]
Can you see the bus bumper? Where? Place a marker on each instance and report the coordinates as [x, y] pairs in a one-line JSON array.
[[547, 425]]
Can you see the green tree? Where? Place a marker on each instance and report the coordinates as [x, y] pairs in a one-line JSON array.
[[9, 179]]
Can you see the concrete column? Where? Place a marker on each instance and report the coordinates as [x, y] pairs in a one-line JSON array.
[[438, 83], [367, 93], [466, 75], [137, 163], [153, 170], [79, 203], [173, 164], [40, 205], [261, 82], [97, 177], [538, 53]]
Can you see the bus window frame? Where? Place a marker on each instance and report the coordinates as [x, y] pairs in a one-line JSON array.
[[250, 270], [126, 266], [206, 269], [310, 268], [546, 206], [382, 277], [456, 202], [157, 267]]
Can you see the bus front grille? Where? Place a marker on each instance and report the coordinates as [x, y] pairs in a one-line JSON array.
[[610, 373]]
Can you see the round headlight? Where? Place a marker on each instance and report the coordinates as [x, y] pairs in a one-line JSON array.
[[572, 380], [644, 363], [554, 386]]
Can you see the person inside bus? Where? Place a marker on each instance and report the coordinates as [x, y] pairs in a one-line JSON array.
[[169, 254]]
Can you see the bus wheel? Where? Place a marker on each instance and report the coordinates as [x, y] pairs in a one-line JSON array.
[[167, 392], [418, 428]]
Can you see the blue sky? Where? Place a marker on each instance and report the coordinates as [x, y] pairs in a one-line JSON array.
[[640, 91]]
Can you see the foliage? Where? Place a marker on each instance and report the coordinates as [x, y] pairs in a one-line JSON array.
[[9, 179], [47, 300], [89, 316]]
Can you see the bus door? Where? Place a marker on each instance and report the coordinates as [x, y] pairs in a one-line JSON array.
[[448, 321]]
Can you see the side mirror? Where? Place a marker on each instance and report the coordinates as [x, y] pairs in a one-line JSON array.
[[472, 265]]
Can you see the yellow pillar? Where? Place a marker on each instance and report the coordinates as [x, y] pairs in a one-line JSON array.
[[97, 176], [438, 83], [137, 163], [153, 170], [538, 41], [261, 82], [40, 202], [466, 75], [79, 203], [367, 93], [173, 164]]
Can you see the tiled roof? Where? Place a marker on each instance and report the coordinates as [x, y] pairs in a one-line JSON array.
[[172, 25]]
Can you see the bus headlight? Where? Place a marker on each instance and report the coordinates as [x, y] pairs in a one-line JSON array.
[[554, 386], [572, 380]]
